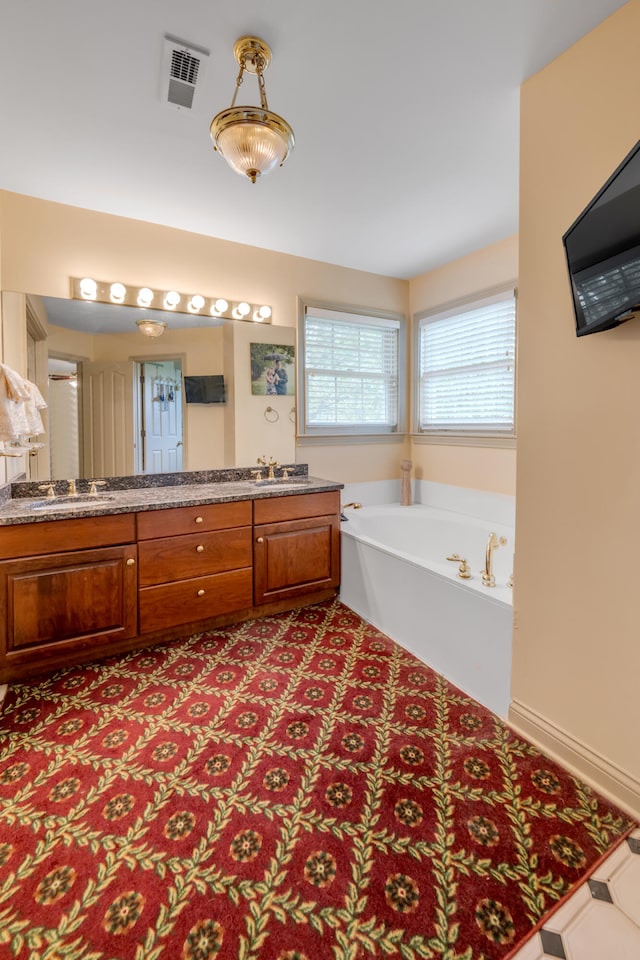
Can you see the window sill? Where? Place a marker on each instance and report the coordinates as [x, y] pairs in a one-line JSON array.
[[335, 439], [465, 440]]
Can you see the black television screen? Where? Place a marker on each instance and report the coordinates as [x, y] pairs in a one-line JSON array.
[[603, 252], [204, 389]]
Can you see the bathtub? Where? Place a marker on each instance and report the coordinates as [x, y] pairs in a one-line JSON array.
[[396, 576]]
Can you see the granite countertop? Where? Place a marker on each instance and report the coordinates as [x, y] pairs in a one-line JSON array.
[[119, 498]]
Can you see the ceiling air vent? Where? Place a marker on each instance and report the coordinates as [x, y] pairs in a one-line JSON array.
[[183, 66]]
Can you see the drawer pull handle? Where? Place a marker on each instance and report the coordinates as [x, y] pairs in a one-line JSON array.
[[130, 562], [199, 548], [260, 540], [201, 593], [198, 519]]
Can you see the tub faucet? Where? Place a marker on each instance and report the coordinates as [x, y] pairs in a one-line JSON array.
[[488, 579], [356, 506]]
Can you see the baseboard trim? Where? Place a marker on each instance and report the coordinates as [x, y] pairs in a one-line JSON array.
[[604, 776]]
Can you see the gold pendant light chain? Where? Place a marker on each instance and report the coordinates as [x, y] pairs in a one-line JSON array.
[[259, 64]]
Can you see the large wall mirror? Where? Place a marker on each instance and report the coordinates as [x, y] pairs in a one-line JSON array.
[[116, 402]]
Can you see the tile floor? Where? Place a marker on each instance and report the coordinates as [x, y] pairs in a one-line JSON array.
[[601, 921]]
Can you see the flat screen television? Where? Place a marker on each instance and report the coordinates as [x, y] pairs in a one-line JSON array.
[[208, 389], [602, 249]]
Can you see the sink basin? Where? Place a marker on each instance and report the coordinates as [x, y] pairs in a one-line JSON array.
[[281, 484], [64, 503]]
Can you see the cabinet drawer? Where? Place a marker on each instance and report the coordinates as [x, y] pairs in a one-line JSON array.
[[187, 601], [193, 555], [207, 516], [297, 507], [49, 536]]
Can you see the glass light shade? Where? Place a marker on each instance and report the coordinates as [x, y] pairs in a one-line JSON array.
[[151, 328], [252, 141], [220, 306], [196, 303], [88, 288], [145, 296], [118, 292], [172, 299]]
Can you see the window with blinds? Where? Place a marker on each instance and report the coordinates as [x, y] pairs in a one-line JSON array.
[[350, 372], [466, 360]]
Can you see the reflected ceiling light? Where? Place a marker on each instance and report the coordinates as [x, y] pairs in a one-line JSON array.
[[261, 314], [241, 311], [253, 140], [145, 296], [171, 299], [219, 307], [88, 289], [196, 303], [151, 328], [117, 292]]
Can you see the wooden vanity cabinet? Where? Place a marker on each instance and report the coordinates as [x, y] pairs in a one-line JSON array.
[[80, 589], [68, 589], [296, 546], [194, 564]]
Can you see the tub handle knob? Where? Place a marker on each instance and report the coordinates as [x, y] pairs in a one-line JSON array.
[[464, 571], [456, 558]]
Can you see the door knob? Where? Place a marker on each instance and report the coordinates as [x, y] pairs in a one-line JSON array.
[[260, 540], [130, 562], [199, 548], [201, 593], [198, 519]]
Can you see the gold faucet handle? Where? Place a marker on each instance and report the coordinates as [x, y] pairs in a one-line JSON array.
[[285, 473], [93, 486], [257, 475], [49, 488]]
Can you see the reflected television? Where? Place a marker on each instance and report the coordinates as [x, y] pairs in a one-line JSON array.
[[602, 248], [209, 389]]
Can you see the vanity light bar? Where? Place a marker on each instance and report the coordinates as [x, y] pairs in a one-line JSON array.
[[86, 288]]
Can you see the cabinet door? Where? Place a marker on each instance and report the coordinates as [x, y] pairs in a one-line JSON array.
[[67, 601], [296, 557]]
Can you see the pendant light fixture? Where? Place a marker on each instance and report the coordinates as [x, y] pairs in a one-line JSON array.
[[253, 140]]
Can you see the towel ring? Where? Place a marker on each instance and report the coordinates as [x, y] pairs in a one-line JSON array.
[[292, 414], [271, 415]]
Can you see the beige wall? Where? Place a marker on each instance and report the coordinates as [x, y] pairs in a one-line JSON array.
[[576, 658], [478, 467], [44, 244]]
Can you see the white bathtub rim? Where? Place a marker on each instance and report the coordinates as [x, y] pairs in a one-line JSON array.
[[446, 570]]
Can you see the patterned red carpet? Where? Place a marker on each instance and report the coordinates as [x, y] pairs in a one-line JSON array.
[[296, 787]]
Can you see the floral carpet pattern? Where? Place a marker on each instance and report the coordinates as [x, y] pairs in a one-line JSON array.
[[293, 788]]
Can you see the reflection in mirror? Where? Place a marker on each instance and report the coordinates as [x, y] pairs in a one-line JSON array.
[[116, 404]]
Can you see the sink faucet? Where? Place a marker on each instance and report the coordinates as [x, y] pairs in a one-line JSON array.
[[271, 464], [488, 579]]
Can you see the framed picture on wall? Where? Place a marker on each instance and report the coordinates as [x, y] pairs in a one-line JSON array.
[[272, 370]]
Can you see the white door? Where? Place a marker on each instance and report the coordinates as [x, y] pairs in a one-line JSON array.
[[107, 419], [162, 423]]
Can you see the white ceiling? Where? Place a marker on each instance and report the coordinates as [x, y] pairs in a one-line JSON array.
[[405, 116]]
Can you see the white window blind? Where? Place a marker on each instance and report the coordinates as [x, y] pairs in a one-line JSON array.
[[467, 368], [350, 372]]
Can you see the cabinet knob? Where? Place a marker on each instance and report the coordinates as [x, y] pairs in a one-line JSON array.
[[130, 562], [198, 519], [201, 593], [199, 548], [259, 539]]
